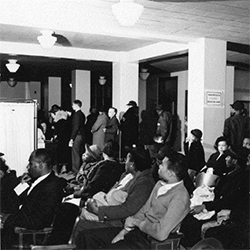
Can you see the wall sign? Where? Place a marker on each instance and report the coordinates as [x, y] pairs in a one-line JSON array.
[[214, 98]]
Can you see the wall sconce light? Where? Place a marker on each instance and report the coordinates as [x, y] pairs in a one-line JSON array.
[[102, 80], [11, 82], [144, 74], [12, 66], [127, 12], [46, 40]]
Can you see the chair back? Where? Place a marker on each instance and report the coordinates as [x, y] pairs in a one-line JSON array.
[[54, 247], [207, 179], [208, 243]]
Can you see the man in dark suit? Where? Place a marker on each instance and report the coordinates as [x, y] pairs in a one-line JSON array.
[[112, 128], [129, 127], [39, 201], [77, 138]]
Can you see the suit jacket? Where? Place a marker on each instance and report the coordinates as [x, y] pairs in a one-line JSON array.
[[78, 121], [236, 128], [112, 129], [138, 189], [97, 130], [230, 191], [39, 207], [130, 127], [160, 216]]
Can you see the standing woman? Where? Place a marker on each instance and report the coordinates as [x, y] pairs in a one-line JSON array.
[[97, 129]]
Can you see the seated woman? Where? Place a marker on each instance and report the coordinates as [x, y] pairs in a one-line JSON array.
[[103, 175], [90, 157], [138, 189], [217, 160]]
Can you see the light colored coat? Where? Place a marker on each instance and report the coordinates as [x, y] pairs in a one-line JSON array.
[[97, 130]]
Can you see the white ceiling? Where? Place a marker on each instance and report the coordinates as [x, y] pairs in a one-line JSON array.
[[90, 24]]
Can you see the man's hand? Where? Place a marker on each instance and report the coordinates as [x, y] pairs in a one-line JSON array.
[[131, 222], [91, 206], [104, 130], [197, 209], [25, 178]]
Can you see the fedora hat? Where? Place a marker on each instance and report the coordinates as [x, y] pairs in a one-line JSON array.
[[132, 103], [237, 105]]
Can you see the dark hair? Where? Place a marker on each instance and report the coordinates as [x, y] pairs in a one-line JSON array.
[[219, 139], [141, 158], [111, 148], [78, 102], [43, 155], [177, 165]]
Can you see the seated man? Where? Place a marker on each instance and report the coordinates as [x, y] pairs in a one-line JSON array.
[[230, 192], [166, 207], [39, 201]]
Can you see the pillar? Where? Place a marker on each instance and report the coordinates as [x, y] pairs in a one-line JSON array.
[[125, 85], [54, 91], [81, 83], [206, 89]]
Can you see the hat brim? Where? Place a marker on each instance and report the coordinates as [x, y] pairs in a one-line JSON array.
[[93, 154]]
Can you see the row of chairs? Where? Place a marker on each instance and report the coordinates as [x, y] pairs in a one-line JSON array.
[[171, 243]]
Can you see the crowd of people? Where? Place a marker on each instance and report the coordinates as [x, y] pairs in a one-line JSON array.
[[134, 189]]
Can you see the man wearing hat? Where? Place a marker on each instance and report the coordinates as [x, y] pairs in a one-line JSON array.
[[129, 127], [231, 193], [237, 126]]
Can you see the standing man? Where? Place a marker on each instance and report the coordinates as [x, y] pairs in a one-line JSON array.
[[77, 138], [112, 128], [237, 126], [130, 127]]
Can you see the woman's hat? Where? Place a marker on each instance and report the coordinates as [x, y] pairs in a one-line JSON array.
[[94, 151], [197, 133]]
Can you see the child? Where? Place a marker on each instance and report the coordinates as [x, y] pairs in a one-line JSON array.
[[194, 152]]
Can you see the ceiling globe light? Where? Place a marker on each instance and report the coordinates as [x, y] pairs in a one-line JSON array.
[[127, 12], [102, 80], [144, 74], [46, 40], [11, 82], [12, 66]]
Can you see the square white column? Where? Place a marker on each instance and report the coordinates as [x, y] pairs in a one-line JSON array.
[[81, 88], [206, 89], [54, 91], [125, 84]]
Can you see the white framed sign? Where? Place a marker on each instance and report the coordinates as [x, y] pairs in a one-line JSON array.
[[213, 98]]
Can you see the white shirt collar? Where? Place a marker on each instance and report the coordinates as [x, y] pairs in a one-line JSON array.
[[38, 180], [165, 188]]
